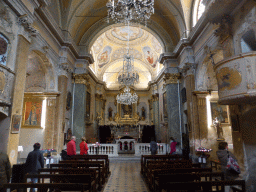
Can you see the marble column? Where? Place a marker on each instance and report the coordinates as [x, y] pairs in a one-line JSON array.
[[18, 93], [50, 125], [171, 83], [60, 113], [79, 119], [156, 118]]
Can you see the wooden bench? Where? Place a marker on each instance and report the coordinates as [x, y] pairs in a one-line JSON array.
[[95, 165], [202, 186], [93, 172], [43, 187], [93, 157], [76, 163], [85, 179], [145, 158], [185, 177], [153, 176]]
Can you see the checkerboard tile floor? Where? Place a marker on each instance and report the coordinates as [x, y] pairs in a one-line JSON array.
[[125, 177]]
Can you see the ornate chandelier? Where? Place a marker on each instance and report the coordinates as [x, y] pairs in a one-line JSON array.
[[128, 76], [124, 11], [127, 98]]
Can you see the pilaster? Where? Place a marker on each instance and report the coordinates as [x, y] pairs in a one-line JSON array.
[[18, 93], [155, 100], [60, 112]]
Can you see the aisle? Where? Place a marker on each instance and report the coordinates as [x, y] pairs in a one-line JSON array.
[[125, 176]]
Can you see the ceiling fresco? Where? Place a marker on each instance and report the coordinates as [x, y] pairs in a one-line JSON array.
[[109, 50]]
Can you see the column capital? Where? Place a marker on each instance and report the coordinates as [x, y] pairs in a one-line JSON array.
[[171, 78], [155, 97], [81, 78]]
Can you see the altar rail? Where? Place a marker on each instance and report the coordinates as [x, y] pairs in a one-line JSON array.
[[112, 149]]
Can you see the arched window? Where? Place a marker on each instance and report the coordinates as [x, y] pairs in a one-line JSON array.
[[199, 9], [3, 49]]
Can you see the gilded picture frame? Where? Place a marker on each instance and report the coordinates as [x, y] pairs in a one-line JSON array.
[[16, 120], [32, 111], [220, 111]]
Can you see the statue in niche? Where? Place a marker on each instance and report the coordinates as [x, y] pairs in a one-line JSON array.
[[217, 125], [143, 114], [110, 114]]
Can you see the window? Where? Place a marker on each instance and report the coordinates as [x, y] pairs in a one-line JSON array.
[[248, 42], [199, 9], [3, 49]]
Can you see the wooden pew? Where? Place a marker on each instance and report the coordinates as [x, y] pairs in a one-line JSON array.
[[95, 165], [93, 172], [157, 165], [202, 186], [76, 163], [43, 187], [145, 158], [84, 179], [93, 157], [185, 177], [154, 174]]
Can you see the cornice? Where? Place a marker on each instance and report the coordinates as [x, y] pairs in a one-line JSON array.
[[41, 94]]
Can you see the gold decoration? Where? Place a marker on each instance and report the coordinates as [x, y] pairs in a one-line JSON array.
[[81, 79], [228, 78], [2, 81], [171, 78]]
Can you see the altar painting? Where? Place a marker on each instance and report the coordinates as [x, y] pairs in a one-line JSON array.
[[32, 114]]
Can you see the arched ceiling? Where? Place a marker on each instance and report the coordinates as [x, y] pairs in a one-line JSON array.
[[80, 16], [110, 47]]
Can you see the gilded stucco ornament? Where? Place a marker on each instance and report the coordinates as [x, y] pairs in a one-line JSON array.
[[81, 78], [171, 78], [2, 81], [228, 78]]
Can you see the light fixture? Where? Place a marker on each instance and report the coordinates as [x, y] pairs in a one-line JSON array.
[[124, 11], [127, 98]]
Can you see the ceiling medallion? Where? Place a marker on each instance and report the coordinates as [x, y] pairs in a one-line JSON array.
[[124, 11]]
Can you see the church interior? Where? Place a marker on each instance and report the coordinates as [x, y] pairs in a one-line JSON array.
[[191, 76]]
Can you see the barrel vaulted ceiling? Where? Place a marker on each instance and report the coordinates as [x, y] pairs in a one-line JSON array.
[[85, 22]]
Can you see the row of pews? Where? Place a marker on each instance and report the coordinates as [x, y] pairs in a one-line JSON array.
[[173, 173], [79, 173]]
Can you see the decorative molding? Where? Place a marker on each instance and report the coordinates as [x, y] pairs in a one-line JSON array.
[[155, 97], [23, 20], [81, 79], [225, 29], [171, 78]]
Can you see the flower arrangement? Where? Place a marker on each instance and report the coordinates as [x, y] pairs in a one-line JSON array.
[[97, 144]]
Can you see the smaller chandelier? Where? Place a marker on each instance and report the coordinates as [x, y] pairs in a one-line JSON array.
[[128, 76], [127, 98], [123, 11]]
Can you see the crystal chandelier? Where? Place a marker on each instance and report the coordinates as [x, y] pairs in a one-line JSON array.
[[128, 76], [127, 98], [124, 11]]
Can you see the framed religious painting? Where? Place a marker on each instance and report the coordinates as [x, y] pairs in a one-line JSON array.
[[16, 119], [32, 112], [220, 112], [165, 105]]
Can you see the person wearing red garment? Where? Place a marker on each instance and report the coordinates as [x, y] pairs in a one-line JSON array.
[[83, 147], [71, 146], [173, 146]]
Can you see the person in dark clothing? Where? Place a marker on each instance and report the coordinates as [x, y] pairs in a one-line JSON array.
[[222, 154], [153, 146], [34, 162], [5, 170]]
